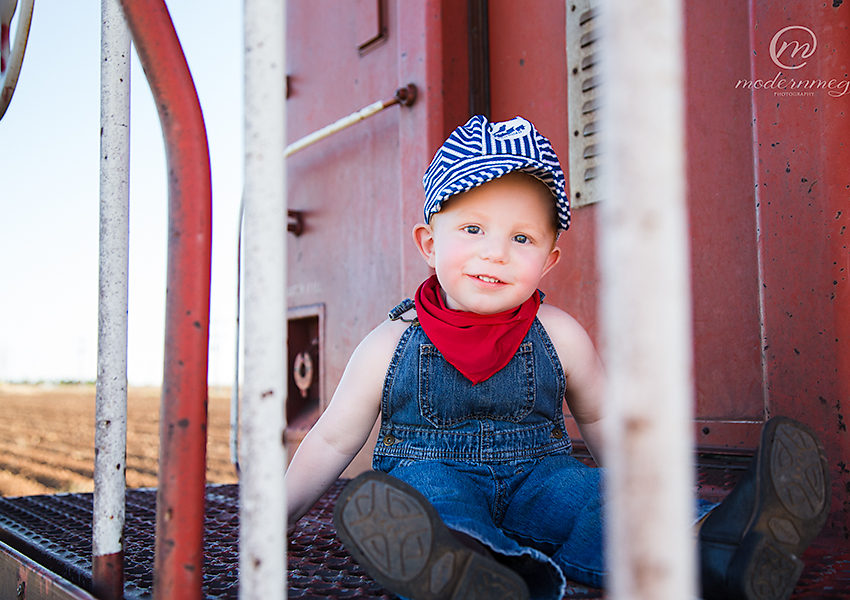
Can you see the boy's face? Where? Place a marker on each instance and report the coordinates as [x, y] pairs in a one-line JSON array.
[[492, 244]]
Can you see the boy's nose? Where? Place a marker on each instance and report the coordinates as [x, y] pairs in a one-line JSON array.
[[494, 249]]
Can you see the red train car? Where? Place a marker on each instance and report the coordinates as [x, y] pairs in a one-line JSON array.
[[767, 194], [768, 197]]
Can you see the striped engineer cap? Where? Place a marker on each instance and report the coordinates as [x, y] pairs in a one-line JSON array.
[[479, 151]]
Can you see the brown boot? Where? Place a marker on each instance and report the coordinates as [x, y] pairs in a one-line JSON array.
[[395, 534], [750, 545]]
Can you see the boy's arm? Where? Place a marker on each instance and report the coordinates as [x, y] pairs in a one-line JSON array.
[[345, 425], [584, 373]]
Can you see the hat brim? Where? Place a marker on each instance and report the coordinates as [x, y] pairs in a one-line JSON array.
[[472, 172]]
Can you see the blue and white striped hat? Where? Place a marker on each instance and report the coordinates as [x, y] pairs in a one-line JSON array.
[[479, 152]]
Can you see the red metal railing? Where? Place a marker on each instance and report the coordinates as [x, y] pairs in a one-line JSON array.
[[180, 497], [12, 55]]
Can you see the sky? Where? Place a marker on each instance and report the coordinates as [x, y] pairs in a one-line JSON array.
[[49, 195]]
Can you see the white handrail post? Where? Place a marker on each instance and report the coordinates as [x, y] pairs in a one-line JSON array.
[[111, 394], [646, 313], [262, 530]]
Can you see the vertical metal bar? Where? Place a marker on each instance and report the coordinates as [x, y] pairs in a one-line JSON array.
[[111, 396], [12, 58], [479, 57], [234, 390], [262, 529], [183, 423], [646, 303]]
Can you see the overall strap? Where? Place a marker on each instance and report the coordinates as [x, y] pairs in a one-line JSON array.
[[396, 313]]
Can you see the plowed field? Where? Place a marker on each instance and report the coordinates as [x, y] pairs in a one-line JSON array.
[[47, 438]]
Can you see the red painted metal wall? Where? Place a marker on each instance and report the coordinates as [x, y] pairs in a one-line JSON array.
[[768, 193], [531, 79], [803, 196], [722, 213], [768, 208], [360, 190], [528, 74]]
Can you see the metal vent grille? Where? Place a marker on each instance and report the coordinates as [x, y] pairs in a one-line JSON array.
[[583, 99]]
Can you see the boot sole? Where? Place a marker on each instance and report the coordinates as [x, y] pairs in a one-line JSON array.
[[395, 534], [794, 486], [792, 507], [763, 570]]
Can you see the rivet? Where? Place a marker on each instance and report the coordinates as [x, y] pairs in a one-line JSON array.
[[389, 440]]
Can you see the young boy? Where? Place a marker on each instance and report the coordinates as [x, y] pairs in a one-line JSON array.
[[474, 493]]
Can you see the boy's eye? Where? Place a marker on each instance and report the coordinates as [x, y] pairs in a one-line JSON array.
[[521, 238], [473, 229]]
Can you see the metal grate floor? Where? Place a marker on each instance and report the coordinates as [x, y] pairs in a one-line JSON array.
[[55, 531]]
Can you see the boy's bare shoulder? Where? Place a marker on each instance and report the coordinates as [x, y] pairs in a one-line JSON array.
[[558, 323], [387, 334], [571, 340], [378, 346]]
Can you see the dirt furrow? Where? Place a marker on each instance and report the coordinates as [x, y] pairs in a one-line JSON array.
[[53, 478], [47, 438], [48, 458], [13, 484]]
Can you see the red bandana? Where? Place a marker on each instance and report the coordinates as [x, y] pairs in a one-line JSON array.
[[476, 345]]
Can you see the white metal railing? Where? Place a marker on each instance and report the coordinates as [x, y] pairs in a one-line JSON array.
[[405, 95], [645, 301], [111, 394], [262, 502]]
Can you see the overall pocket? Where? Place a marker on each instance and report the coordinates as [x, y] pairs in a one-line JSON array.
[[447, 398]]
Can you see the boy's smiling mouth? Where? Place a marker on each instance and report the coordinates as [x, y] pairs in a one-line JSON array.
[[488, 279]]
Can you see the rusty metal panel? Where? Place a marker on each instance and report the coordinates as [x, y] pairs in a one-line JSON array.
[[803, 183], [23, 579], [529, 77], [359, 191], [532, 79], [369, 20], [723, 229], [346, 185]]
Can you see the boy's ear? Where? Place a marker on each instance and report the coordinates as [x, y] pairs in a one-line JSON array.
[[423, 237], [551, 260]]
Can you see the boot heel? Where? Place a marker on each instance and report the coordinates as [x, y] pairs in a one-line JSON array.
[[394, 533], [760, 570], [480, 581], [751, 543]]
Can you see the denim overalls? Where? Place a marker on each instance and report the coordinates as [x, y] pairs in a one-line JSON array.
[[494, 458]]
